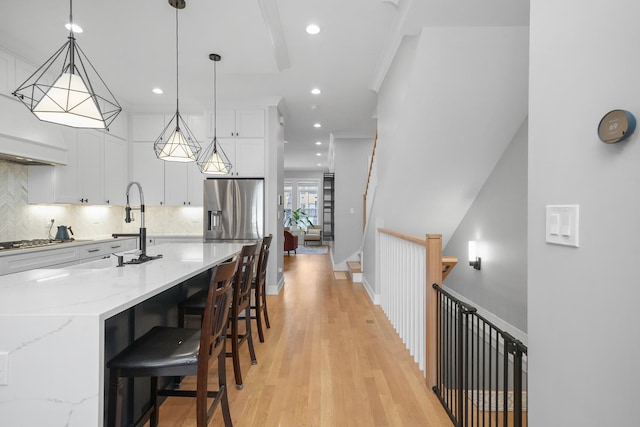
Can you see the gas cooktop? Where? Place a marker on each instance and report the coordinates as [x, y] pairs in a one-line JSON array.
[[35, 243]]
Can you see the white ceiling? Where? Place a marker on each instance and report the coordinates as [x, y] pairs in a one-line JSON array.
[[266, 53]]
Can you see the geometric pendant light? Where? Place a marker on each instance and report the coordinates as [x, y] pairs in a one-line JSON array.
[[177, 143], [213, 160], [61, 91]]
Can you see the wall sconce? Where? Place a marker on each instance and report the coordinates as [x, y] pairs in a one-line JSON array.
[[474, 259]]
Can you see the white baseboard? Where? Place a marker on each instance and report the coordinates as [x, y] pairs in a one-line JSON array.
[[375, 298], [275, 290], [505, 326]]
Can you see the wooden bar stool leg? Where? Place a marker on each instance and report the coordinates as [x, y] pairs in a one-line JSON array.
[[264, 309], [247, 324], [235, 353], [259, 324], [222, 388]]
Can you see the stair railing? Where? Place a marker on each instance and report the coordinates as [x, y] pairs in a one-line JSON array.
[[408, 265], [481, 370]]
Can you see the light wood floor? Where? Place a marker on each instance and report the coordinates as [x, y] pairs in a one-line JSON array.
[[331, 358]]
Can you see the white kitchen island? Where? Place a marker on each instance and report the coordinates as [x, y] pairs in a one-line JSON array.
[[53, 322]]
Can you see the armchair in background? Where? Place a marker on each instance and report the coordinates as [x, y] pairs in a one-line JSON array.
[[290, 242], [313, 234]]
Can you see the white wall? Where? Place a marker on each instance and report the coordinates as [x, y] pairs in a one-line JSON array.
[[583, 302], [451, 103], [274, 152], [351, 167], [497, 221], [453, 125]]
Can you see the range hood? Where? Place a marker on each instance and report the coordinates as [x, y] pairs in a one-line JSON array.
[[25, 139]]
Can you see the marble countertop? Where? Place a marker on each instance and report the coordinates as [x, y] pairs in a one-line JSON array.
[[52, 324], [101, 288]]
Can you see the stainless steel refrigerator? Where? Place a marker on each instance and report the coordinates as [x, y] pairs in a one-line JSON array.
[[233, 209]]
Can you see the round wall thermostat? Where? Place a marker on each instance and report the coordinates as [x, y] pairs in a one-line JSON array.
[[615, 126]]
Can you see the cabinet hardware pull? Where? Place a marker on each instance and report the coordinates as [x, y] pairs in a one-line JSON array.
[[115, 247], [93, 250]]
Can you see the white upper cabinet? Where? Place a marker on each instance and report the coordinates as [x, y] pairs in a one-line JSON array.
[[119, 128], [240, 123], [148, 170], [183, 184], [246, 156], [115, 167], [91, 167], [80, 181], [7, 73], [169, 183]]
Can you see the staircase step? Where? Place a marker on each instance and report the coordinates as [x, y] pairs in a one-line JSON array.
[[355, 271], [354, 266]]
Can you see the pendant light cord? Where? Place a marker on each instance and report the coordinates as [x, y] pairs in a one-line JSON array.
[[70, 18], [72, 40], [177, 88], [215, 106]]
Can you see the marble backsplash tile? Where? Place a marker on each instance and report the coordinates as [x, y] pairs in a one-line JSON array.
[[20, 220]]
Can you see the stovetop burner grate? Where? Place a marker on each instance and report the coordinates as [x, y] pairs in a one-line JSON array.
[[34, 243]]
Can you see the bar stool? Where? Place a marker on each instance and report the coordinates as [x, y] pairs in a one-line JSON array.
[[169, 352], [259, 287], [240, 304]]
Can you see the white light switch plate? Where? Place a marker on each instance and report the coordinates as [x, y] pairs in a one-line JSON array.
[[562, 225]]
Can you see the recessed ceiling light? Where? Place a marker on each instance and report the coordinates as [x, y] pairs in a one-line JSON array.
[[73, 27], [313, 29], [157, 90], [317, 125], [319, 164], [316, 91], [318, 154], [286, 142], [318, 143]]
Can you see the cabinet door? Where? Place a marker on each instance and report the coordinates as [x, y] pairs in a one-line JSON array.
[[91, 167], [228, 145], [7, 73], [66, 183], [175, 183], [195, 185], [148, 170], [250, 157], [147, 127], [197, 126], [119, 127], [226, 124], [115, 170], [250, 123]]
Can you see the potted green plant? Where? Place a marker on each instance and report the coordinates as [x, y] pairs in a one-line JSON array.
[[298, 219]]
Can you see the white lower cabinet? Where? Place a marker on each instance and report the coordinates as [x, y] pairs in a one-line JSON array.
[[62, 255]]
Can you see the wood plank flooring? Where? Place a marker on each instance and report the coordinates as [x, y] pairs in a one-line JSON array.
[[331, 358]]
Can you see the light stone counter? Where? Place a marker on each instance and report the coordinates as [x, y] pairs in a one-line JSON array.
[[52, 326]]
